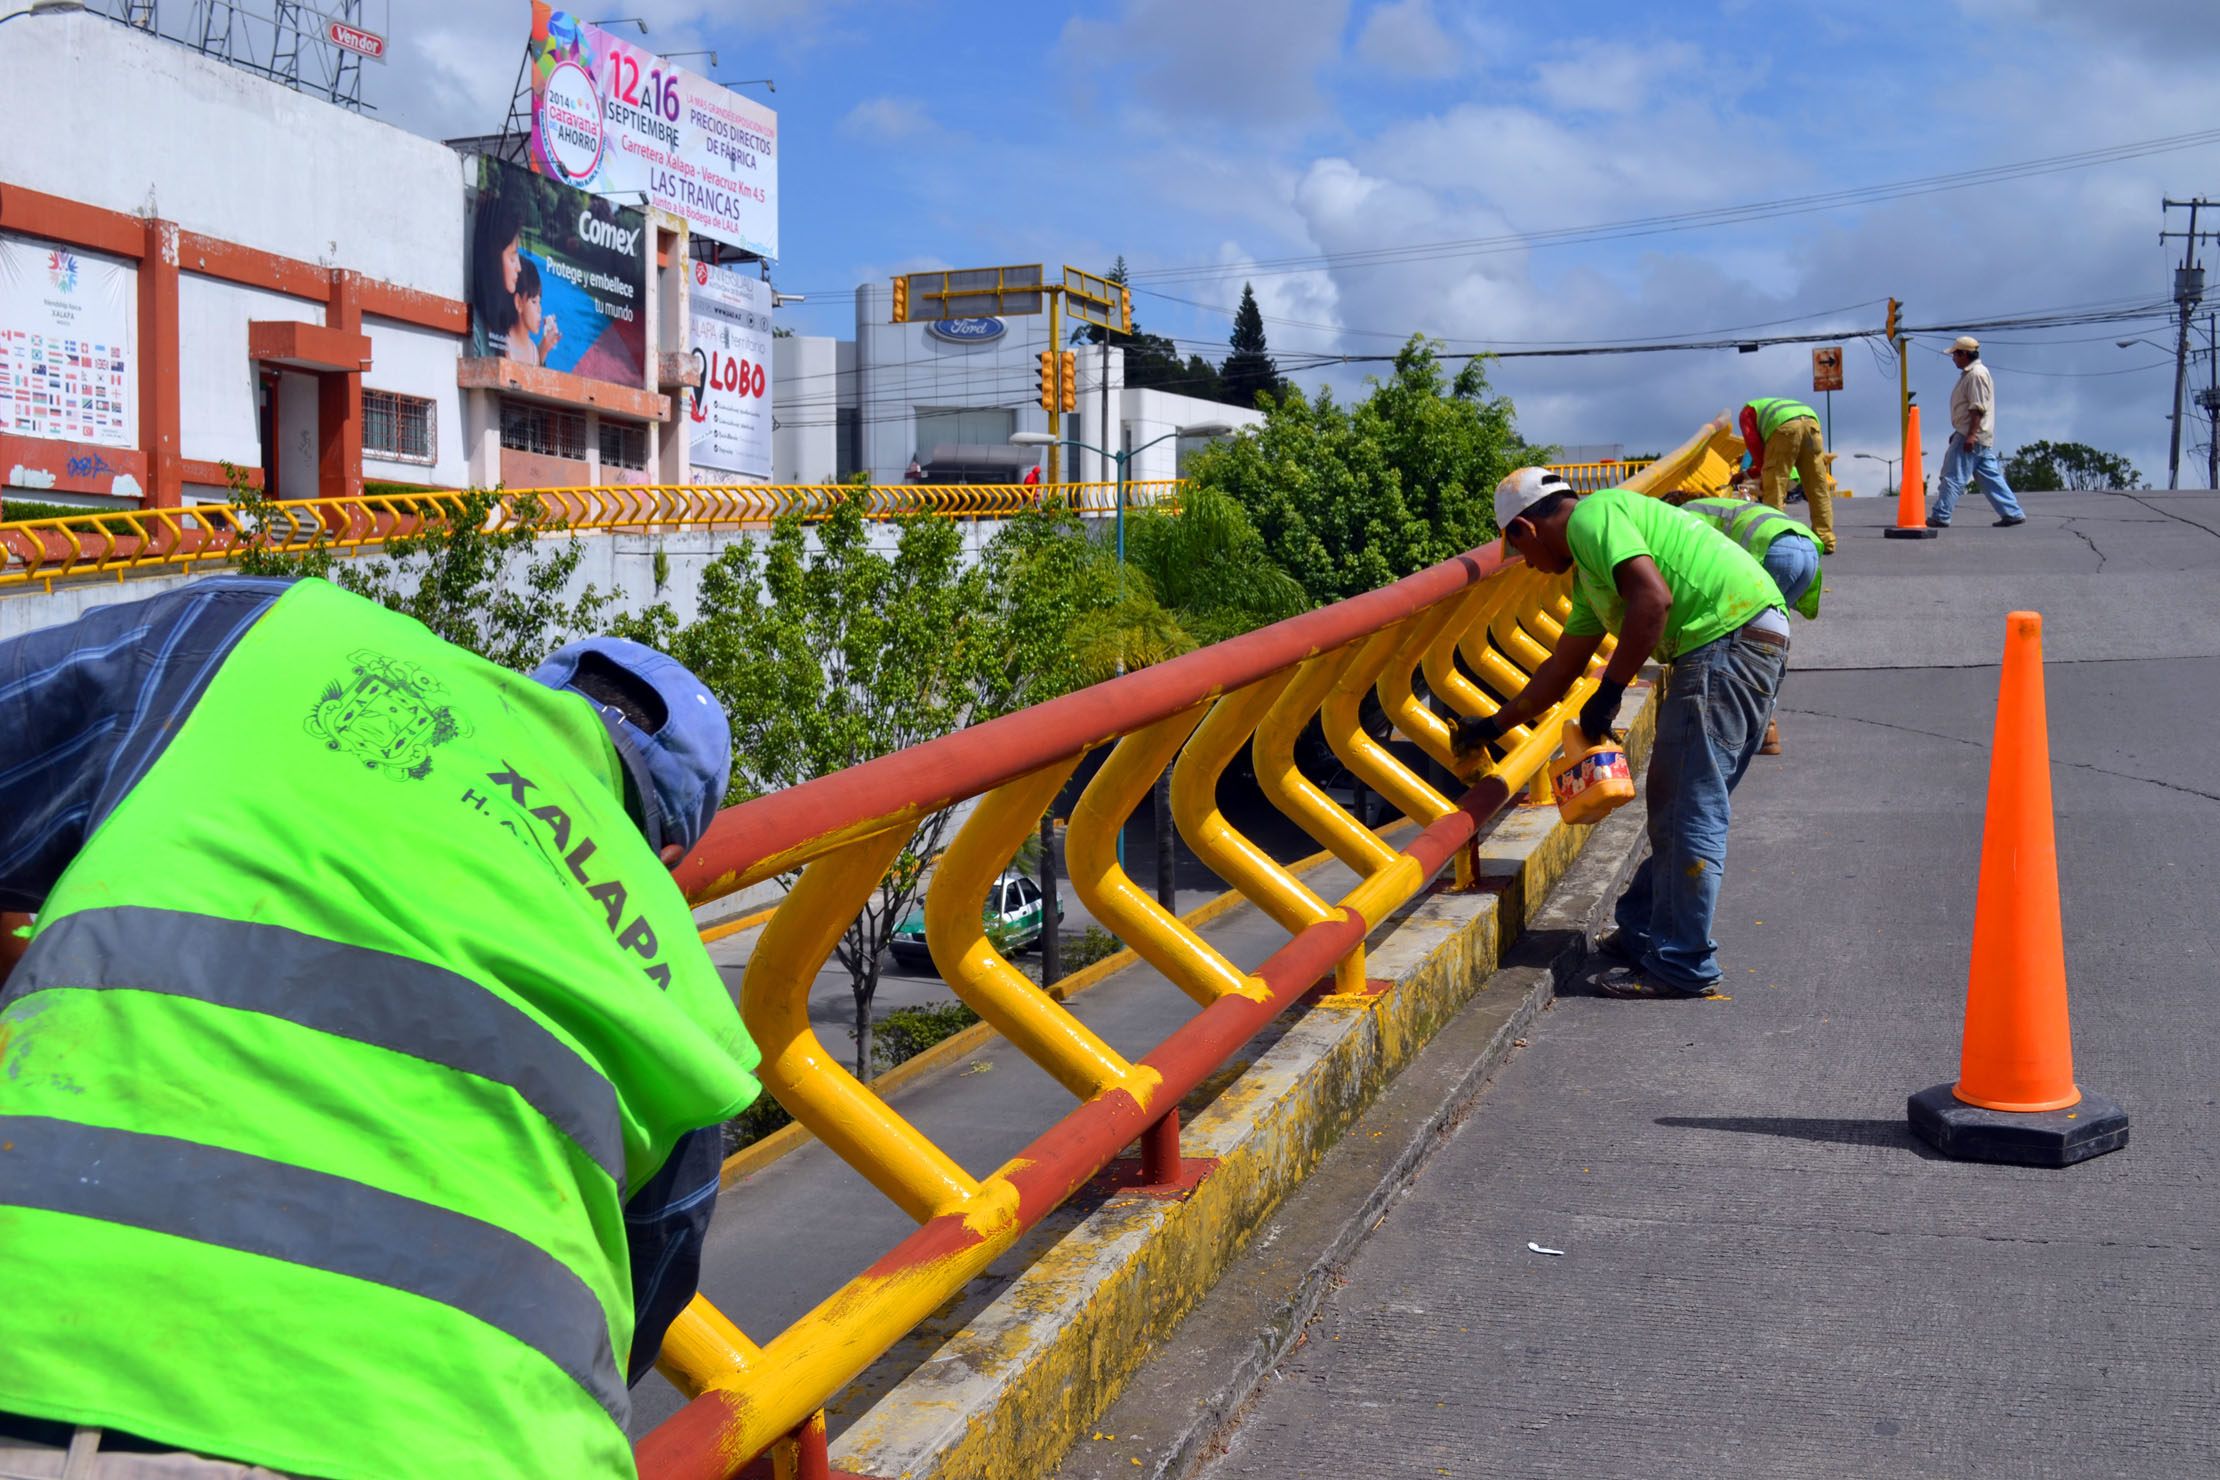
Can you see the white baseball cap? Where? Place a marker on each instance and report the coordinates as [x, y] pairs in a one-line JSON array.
[[1524, 488], [1967, 343]]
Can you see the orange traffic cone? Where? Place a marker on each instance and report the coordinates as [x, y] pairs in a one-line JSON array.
[[1911, 489], [2015, 1099]]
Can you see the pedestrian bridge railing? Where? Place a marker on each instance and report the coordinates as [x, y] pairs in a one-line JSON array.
[[1453, 640], [119, 543]]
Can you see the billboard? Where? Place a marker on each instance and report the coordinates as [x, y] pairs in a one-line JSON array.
[[557, 277], [614, 119], [69, 359], [730, 326]]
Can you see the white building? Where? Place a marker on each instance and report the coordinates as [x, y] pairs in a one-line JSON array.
[[276, 283], [939, 402]]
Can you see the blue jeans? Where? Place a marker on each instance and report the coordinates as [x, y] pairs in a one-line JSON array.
[[1793, 563], [1962, 464], [1709, 724]]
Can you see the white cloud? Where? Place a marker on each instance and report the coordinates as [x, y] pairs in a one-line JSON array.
[[1403, 37], [1251, 63], [888, 119], [1614, 77]]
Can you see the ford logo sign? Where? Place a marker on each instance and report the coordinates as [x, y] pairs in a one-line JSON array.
[[967, 331]]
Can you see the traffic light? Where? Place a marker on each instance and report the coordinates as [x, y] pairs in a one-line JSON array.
[[1890, 331], [901, 301], [1067, 381], [1044, 381], [1125, 310]]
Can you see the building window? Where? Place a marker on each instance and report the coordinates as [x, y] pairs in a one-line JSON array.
[[847, 442], [546, 430], [398, 428], [623, 444], [963, 426]]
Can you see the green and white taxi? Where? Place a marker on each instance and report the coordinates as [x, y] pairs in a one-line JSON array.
[[1012, 911]]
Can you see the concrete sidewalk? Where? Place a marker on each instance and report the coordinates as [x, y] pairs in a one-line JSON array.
[[1763, 1274]]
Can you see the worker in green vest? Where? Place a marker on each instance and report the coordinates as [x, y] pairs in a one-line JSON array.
[[1788, 551], [361, 1082], [1782, 434]]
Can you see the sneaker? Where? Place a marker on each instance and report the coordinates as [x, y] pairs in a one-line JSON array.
[[1772, 745], [1619, 948], [1627, 984], [2008, 523], [1934, 523]]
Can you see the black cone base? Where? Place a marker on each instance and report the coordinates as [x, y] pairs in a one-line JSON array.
[[2042, 1138], [1898, 532]]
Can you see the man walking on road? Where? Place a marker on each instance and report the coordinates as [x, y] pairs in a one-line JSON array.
[[1668, 585], [1788, 551], [1972, 451], [1782, 435], [360, 1085]]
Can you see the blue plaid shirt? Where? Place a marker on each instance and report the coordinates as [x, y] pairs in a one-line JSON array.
[[87, 707]]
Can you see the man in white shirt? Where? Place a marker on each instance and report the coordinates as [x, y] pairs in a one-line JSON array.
[[1971, 456]]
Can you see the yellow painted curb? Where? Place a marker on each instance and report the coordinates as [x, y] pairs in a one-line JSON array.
[[724, 928], [757, 1155]]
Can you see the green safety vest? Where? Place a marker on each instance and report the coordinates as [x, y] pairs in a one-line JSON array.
[[333, 1060], [1754, 527], [1773, 410]]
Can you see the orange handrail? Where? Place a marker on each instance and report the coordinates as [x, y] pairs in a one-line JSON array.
[[841, 832]]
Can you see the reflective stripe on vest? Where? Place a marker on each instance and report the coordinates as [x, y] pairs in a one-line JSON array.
[[1756, 527], [257, 1206], [371, 997], [1774, 410], [1752, 526]]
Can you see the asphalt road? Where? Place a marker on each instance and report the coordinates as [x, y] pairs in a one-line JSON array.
[[1763, 1274]]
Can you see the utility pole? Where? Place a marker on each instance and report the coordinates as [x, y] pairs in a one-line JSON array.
[[1903, 374], [2209, 399], [2189, 291]]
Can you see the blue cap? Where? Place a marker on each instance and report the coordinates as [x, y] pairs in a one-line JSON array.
[[688, 758]]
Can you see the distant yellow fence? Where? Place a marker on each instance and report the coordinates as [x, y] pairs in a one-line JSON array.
[[119, 542]]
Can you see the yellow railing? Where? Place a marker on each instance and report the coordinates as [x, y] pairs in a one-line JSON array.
[[1590, 476], [119, 542], [1474, 628]]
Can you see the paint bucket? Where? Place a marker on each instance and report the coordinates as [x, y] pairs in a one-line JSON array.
[[1591, 780]]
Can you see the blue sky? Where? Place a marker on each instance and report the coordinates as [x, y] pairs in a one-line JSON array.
[[1216, 141]]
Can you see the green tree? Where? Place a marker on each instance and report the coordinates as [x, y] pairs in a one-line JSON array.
[[1250, 371], [2043, 467], [1072, 616], [1152, 362], [498, 592], [828, 653], [1347, 499], [1065, 619], [1207, 565]]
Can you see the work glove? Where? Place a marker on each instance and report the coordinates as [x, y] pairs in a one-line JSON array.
[[1474, 733], [1600, 715]]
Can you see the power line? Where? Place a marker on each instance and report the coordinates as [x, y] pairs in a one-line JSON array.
[[1693, 220], [1651, 225]]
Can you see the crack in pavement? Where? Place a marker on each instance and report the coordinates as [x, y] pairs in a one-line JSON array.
[[2168, 513], [2068, 524], [1860, 719]]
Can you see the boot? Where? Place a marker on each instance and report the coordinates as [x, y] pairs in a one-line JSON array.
[[1772, 745]]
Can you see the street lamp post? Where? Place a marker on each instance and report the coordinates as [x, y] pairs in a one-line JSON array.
[[1124, 459], [1888, 462], [1167, 888]]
